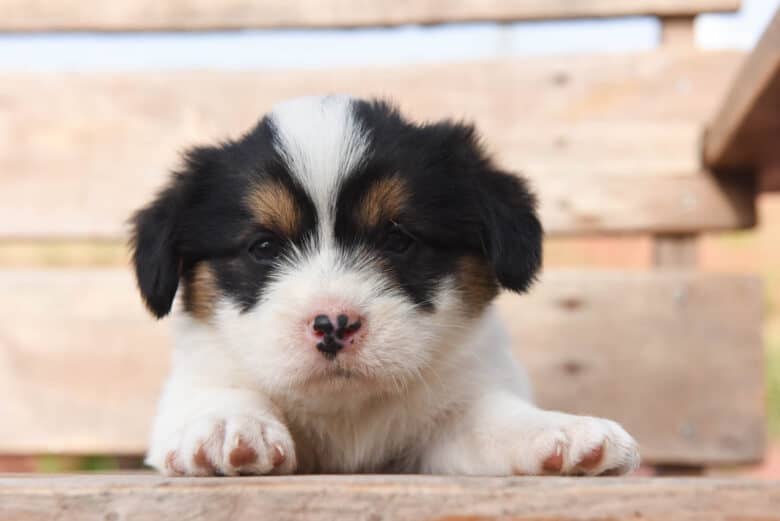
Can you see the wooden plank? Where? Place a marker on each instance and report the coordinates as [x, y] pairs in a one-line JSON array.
[[675, 250], [375, 498], [666, 203], [78, 164], [88, 370], [674, 356], [129, 15], [769, 177], [745, 131], [638, 338]]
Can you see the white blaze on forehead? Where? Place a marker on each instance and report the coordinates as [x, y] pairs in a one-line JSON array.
[[321, 142]]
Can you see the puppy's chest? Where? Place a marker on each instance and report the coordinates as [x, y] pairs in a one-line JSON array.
[[380, 439]]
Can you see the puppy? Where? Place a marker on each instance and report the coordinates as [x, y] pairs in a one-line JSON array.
[[337, 266]]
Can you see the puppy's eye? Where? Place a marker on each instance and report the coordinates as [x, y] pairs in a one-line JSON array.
[[264, 249], [397, 240]]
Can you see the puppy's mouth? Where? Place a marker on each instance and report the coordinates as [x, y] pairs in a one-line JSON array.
[[341, 372]]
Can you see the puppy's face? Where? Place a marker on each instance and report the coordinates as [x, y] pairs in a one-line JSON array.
[[337, 244]]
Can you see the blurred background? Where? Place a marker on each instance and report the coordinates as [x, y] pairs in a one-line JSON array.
[[82, 54]]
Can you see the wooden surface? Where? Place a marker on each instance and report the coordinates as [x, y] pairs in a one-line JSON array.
[[38, 15], [678, 32], [675, 251], [745, 132], [102, 143], [380, 498], [674, 356]]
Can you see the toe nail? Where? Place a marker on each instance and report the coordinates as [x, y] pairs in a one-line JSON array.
[[554, 463], [279, 455], [170, 463], [592, 458]]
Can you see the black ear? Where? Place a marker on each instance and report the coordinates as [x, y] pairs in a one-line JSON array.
[[157, 266], [512, 234]]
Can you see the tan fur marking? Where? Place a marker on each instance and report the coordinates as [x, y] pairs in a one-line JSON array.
[[383, 202], [477, 284], [274, 206], [201, 292]]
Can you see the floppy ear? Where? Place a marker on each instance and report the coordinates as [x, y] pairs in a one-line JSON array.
[[157, 266], [512, 234]]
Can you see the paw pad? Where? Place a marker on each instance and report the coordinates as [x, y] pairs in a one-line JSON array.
[[243, 454], [554, 463], [591, 459], [201, 459]]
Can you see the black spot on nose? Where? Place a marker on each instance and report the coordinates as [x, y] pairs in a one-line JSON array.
[[329, 346], [323, 324], [346, 329], [342, 321]]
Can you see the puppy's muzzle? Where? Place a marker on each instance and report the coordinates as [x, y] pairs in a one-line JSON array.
[[333, 333]]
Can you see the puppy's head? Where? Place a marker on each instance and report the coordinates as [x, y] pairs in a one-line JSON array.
[[337, 242]]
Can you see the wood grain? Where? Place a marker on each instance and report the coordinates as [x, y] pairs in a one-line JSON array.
[[678, 32], [377, 498], [745, 131], [675, 251], [129, 15], [675, 356], [81, 363], [77, 165]]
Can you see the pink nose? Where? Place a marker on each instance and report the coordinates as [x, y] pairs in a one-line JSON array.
[[334, 332]]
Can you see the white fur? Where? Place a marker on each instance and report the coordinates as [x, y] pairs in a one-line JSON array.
[[425, 392], [320, 142]]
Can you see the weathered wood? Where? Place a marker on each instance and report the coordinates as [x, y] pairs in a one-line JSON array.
[[745, 131], [677, 32], [128, 15], [674, 356], [78, 164], [666, 203], [675, 250], [81, 363], [769, 177], [624, 344], [375, 498]]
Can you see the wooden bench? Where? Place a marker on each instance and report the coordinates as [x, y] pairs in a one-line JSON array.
[[650, 143]]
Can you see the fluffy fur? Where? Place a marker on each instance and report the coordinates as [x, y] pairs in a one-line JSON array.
[[338, 207]]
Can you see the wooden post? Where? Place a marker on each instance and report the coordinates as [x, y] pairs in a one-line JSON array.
[[677, 32], [675, 250]]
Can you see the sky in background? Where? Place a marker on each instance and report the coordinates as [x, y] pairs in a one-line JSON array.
[[360, 47]]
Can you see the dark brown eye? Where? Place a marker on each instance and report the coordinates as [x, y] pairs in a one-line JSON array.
[[397, 241], [264, 249]]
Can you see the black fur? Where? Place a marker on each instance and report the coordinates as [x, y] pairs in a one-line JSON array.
[[201, 216], [460, 205]]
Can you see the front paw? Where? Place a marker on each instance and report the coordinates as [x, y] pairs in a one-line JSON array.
[[579, 445], [230, 446]]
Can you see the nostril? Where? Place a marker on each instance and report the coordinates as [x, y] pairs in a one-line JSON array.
[[329, 346], [323, 325], [342, 321], [346, 329]]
